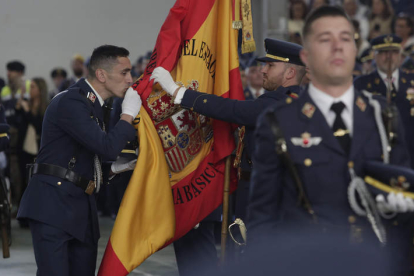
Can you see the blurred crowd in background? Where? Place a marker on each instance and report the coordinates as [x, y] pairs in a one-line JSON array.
[[25, 101]]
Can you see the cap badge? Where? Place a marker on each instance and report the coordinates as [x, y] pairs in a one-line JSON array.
[[388, 39], [305, 141]]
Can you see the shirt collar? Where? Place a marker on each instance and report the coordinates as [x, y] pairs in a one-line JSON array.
[[324, 101], [395, 75], [101, 101]]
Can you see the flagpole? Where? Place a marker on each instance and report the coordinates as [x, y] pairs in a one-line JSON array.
[[224, 223]]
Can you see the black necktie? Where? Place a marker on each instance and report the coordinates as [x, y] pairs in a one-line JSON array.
[[340, 131]]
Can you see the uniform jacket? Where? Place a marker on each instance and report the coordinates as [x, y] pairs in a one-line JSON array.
[[70, 123], [244, 113], [404, 100], [323, 169]]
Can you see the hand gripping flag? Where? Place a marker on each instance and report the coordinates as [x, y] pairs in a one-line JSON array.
[[178, 179]]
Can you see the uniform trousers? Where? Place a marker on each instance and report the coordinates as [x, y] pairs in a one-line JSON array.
[[58, 253]]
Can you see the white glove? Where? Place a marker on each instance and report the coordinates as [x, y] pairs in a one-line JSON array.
[[123, 164], [132, 103], [396, 203], [163, 77]]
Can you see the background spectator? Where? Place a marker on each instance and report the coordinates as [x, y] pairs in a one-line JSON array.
[[404, 28], [58, 76], [297, 13], [317, 3], [357, 12], [30, 113], [361, 42], [381, 18], [78, 69], [16, 86]]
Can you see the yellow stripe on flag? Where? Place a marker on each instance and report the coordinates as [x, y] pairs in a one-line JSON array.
[[150, 184]]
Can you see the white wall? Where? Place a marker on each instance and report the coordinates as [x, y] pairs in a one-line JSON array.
[[44, 34]]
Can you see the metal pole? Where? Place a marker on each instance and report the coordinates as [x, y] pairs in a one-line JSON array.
[[224, 223]]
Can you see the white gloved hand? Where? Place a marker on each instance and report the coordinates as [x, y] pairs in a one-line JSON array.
[[132, 103], [396, 203], [122, 165], [163, 77]]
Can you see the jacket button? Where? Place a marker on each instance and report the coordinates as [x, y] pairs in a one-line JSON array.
[[307, 162], [59, 183], [288, 100], [351, 219], [350, 164]]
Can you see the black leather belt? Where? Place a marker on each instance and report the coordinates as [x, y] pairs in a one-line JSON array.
[[85, 184]]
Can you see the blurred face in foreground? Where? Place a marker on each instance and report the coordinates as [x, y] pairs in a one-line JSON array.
[[330, 51]]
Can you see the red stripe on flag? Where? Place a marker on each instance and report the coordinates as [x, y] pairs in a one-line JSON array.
[[110, 264]]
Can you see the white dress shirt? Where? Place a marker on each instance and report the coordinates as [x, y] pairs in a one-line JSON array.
[[101, 101], [395, 77], [256, 93], [324, 102]]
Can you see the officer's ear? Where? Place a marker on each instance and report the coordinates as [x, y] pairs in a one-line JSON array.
[[290, 72], [100, 75]]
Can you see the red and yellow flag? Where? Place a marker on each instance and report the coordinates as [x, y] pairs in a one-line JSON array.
[[180, 151]]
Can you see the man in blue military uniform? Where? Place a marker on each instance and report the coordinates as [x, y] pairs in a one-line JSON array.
[[59, 202], [282, 75], [388, 58], [329, 133], [254, 79]]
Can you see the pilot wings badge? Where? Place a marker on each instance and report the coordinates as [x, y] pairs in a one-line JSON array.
[[306, 141]]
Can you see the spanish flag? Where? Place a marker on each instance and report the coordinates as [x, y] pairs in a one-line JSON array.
[[178, 179]]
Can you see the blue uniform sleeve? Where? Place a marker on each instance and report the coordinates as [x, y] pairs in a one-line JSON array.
[[266, 183], [229, 110], [75, 119]]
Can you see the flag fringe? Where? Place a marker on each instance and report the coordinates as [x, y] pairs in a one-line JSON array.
[[248, 46]]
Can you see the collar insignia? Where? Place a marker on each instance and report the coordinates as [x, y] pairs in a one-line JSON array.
[[369, 85], [377, 81], [91, 97], [305, 141], [361, 104], [308, 109]]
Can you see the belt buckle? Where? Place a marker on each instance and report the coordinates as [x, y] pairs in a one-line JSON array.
[[90, 188]]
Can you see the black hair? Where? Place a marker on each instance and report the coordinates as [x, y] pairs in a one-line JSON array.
[[323, 11], [16, 66], [408, 21], [104, 57], [58, 72]]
